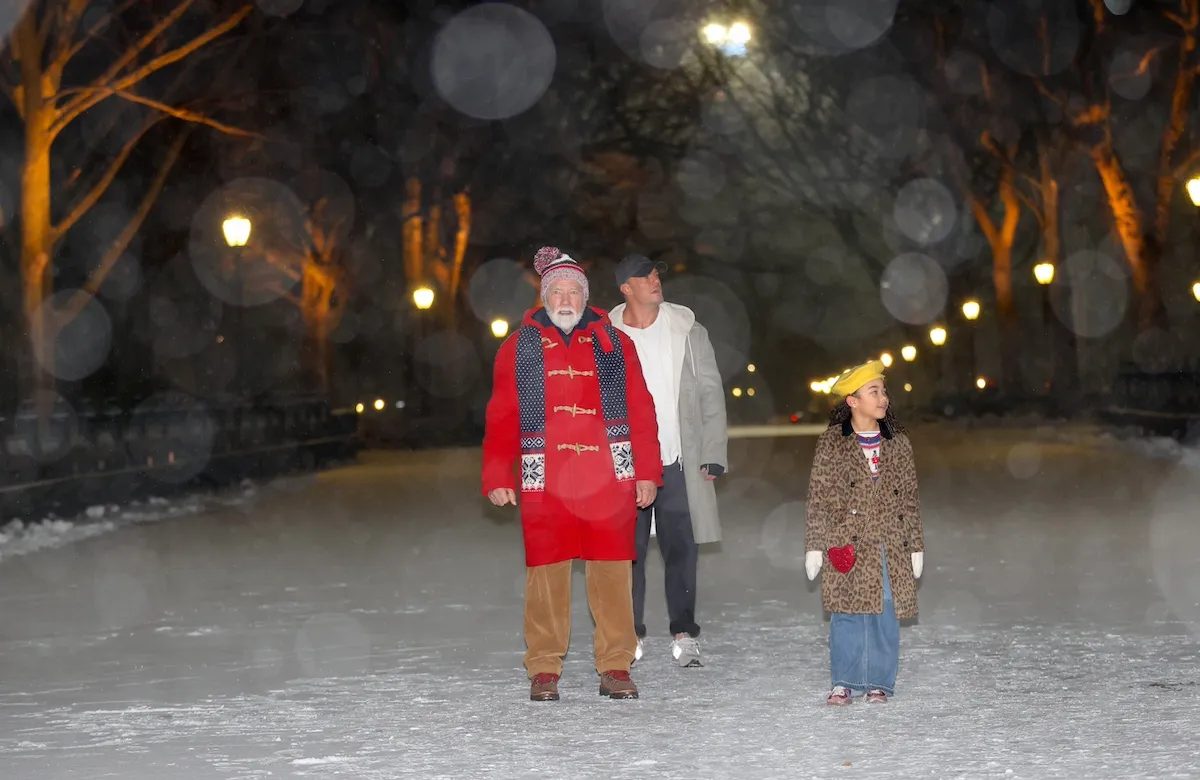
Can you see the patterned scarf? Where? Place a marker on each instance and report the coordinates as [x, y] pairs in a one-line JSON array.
[[531, 400]]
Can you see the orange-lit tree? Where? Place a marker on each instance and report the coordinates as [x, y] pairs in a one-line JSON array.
[[1140, 197], [62, 63]]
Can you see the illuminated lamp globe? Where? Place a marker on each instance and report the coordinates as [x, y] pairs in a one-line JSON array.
[[423, 297], [236, 230]]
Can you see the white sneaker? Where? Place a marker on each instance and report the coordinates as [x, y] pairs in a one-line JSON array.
[[637, 651], [686, 651]]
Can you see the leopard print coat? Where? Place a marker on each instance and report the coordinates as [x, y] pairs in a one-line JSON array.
[[846, 507]]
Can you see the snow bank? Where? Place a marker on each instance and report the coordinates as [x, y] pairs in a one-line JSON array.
[[20, 537]]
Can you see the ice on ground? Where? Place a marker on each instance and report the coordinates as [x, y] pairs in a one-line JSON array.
[[367, 625]]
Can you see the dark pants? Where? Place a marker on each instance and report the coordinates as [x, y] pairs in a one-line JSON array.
[[673, 526]]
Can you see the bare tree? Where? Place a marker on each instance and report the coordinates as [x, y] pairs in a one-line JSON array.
[[1140, 205], [51, 93]]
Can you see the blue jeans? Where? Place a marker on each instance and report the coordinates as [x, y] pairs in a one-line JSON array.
[[864, 650]]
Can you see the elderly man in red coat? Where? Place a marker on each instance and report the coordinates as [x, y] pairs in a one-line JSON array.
[[571, 413]]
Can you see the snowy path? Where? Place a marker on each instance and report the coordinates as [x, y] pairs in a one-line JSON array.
[[365, 624]]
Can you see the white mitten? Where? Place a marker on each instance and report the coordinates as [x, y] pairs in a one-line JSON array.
[[812, 563], [918, 564]]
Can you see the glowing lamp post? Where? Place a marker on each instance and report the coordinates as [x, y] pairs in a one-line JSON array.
[[237, 231], [981, 383], [909, 353], [731, 40], [1043, 273], [886, 359], [1196, 291], [937, 336], [499, 328], [1193, 190], [422, 297], [970, 310]]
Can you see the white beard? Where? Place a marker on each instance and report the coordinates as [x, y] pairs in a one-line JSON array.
[[566, 319]]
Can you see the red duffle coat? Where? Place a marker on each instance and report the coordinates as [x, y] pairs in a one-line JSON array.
[[584, 511]]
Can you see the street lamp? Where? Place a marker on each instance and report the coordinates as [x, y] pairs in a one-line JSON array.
[[970, 310], [909, 353], [1193, 190], [237, 230], [937, 336], [423, 297], [731, 39], [499, 328], [715, 34], [886, 359], [737, 392], [981, 383], [1196, 291], [1044, 273]]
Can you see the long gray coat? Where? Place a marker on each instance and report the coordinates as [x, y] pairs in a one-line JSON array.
[[702, 424]]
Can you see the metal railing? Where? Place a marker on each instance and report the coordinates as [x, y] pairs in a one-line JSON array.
[[68, 460]]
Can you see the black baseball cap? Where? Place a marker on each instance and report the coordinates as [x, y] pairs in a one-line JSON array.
[[637, 265]]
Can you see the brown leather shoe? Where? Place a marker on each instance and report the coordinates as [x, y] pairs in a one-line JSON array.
[[544, 687], [615, 684]]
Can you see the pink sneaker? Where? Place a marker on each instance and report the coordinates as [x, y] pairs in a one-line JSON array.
[[876, 697], [839, 695]]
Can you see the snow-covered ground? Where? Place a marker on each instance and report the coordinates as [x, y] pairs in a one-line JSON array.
[[366, 623]]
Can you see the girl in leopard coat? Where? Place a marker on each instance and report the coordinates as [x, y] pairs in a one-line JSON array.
[[863, 529]]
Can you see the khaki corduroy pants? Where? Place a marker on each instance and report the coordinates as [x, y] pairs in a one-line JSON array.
[[548, 615]]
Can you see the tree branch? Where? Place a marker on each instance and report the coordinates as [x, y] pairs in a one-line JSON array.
[[1029, 204], [66, 54], [131, 53], [187, 115], [98, 189], [69, 13], [282, 266], [121, 242], [102, 88]]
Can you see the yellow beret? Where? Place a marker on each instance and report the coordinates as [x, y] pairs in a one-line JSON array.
[[854, 378]]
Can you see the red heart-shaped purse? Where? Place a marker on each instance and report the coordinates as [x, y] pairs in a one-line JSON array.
[[842, 558]]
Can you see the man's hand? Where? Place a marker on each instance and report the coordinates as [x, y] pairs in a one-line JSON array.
[[646, 491], [712, 470], [502, 496]]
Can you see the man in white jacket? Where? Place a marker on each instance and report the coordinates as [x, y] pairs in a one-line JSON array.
[[681, 372]]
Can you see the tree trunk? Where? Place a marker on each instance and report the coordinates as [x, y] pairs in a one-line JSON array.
[[317, 351], [37, 232], [1064, 352], [1000, 239], [413, 231], [36, 246], [1177, 120], [316, 296], [462, 236], [1141, 250]]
